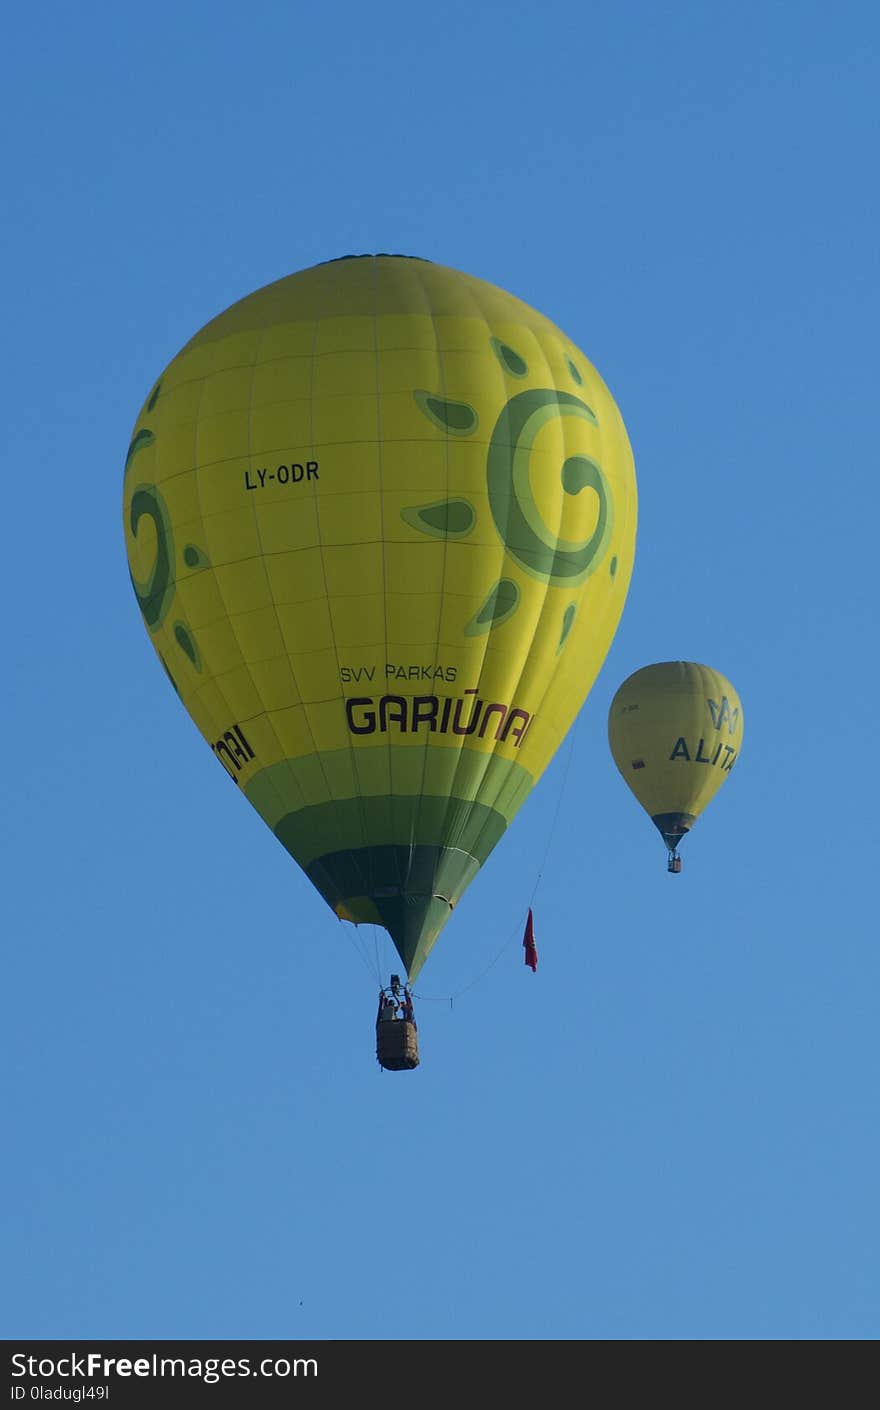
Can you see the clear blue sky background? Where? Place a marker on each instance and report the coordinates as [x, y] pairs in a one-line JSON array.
[[671, 1131]]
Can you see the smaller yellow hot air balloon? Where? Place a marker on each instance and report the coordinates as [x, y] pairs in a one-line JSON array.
[[675, 731]]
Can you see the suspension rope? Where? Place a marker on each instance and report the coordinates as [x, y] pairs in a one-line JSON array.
[[360, 947], [444, 998]]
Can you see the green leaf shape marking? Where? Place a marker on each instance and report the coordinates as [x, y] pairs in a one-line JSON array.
[[499, 605], [510, 360], [444, 519], [186, 642], [139, 441], [567, 623], [195, 557], [455, 417]]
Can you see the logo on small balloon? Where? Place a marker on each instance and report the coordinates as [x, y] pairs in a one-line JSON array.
[[722, 714]]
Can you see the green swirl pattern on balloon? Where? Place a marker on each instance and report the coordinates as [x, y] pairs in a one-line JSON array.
[[154, 596], [535, 547]]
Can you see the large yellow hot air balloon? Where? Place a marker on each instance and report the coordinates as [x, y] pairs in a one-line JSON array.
[[675, 731], [380, 519]]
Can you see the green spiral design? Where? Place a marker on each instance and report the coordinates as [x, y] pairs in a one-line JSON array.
[[154, 597], [526, 537]]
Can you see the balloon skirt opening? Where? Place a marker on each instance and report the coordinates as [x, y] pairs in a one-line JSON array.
[[673, 827]]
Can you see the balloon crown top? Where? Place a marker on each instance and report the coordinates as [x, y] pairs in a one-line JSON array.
[[380, 254]]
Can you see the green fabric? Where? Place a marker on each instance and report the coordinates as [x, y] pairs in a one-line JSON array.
[[340, 774], [366, 824], [392, 835], [408, 890]]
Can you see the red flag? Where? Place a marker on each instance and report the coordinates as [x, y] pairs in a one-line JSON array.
[[529, 944]]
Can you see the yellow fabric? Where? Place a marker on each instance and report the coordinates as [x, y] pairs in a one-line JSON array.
[[380, 478]]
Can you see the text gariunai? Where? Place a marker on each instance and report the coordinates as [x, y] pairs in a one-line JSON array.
[[447, 715]]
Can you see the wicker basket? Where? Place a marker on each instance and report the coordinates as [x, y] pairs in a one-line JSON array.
[[397, 1044]]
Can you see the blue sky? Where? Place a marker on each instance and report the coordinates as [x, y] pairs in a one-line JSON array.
[[671, 1130]]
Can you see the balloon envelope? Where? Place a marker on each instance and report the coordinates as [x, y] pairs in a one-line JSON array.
[[380, 519], [675, 731]]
